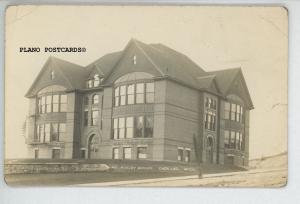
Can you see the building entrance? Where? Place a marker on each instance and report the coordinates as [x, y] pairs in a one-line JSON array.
[[93, 145]]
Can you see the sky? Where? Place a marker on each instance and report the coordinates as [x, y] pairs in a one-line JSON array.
[[253, 38]]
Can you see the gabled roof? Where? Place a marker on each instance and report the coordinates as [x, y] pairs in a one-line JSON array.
[[167, 61], [105, 63], [164, 61], [225, 78], [73, 73], [172, 63], [205, 81]]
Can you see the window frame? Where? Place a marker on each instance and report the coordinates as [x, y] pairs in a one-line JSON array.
[[234, 115], [187, 157], [114, 154], [118, 129], [140, 95], [210, 120], [180, 154], [94, 118], [139, 153], [124, 153]]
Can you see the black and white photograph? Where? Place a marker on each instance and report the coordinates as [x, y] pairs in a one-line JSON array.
[[146, 96]]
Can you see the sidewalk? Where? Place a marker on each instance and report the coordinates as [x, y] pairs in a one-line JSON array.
[[158, 180]]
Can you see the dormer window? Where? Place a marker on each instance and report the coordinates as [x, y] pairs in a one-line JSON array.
[[52, 75], [95, 81], [90, 83]]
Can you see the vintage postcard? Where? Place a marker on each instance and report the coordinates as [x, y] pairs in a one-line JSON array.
[[115, 95]]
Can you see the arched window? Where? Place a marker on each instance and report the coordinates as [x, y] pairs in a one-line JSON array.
[[95, 99], [134, 88], [52, 99]]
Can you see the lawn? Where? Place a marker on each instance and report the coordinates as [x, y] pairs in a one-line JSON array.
[[63, 179]]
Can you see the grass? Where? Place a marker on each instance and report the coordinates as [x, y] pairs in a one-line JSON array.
[[63, 179]]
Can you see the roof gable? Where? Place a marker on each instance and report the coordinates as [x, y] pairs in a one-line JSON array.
[[65, 74], [126, 64], [238, 87], [224, 78], [105, 63], [208, 83]]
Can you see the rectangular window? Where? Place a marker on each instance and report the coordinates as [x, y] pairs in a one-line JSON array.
[[180, 155], [44, 104], [130, 94], [116, 129], [187, 156], [62, 131], [54, 133], [242, 144], [63, 103], [238, 113], [55, 153], [232, 139], [209, 103], [209, 116], [237, 140], [206, 120], [117, 96], [48, 103], [47, 132], [210, 120], [95, 114], [233, 112], [86, 117], [115, 153], [226, 139], [214, 104], [139, 124], [213, 122], [227, 111], [90, 83], [149, 123], [241, 114], [142, 152], [127, 152], [40, 105], [55, 103], [42, 133], [129, 127], [121, 128], [140, 93], [149, 92], [123, 95]]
